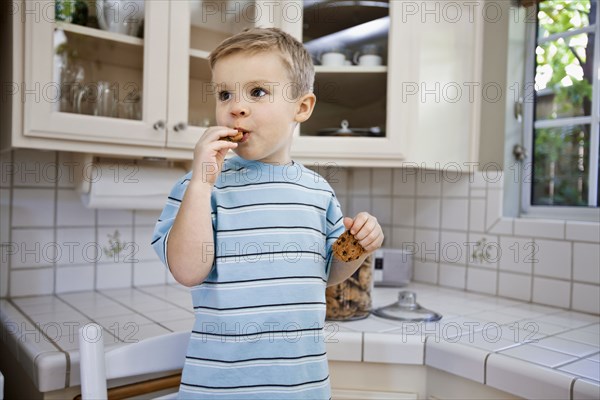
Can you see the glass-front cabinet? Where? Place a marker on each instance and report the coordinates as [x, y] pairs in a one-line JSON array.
[[97, 70], [132, 76], [349, 42], [386, 74], [127, 71], [197, 27]]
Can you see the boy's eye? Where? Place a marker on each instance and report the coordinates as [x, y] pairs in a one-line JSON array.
[[224, 96], [258, 92]]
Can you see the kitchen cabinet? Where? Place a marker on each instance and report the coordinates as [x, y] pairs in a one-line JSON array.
[[420, 106], [89, 89], [391, 381], [370, 395], [424, 97], [92, 90], [442, 385], [403, 381]]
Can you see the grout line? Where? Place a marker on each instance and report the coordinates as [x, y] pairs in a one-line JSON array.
[[40, 227], [414, 227], [467, 257], [47, 267], [55, 221], [362, 346], [10, 219], [97, 257], [141, 289], [425, 349], [127, 306], [485, 367], [134, 243], [440, 210], [485, 209], [572, 285], [532, 273], [497, 237]]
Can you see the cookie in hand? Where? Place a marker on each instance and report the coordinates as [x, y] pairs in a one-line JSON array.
[[346, 248], [236, 138]]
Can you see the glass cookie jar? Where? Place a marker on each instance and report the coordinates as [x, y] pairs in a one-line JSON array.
[[351, 299]]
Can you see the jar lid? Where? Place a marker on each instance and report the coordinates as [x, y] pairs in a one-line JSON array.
[[407, 309]]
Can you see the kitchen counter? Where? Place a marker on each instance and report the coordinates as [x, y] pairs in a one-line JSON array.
[[527, 350]]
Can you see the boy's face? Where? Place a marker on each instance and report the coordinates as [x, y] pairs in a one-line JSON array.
[[255, 95]]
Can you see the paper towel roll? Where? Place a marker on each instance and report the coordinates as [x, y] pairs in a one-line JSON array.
[[129, 186]]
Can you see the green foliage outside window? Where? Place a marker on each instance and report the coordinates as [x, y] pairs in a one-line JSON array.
[[564, 75]]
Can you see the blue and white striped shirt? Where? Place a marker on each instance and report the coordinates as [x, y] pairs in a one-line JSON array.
[[258, 332]]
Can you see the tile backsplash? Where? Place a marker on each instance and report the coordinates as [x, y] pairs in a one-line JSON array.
[[51, 243]]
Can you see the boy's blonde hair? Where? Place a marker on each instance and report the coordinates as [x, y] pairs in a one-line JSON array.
[[256, 40]]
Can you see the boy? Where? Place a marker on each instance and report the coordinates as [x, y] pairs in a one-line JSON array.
[[252, 236]]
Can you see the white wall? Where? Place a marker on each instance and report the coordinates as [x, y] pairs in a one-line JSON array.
[[439, 215]]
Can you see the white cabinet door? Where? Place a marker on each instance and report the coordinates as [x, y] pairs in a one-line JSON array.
[[340, 394], [111, 89], [358, 94], [437, 84], [197, 27], [426, 95]]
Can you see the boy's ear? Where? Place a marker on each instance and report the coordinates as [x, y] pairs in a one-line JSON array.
[[306, 105]]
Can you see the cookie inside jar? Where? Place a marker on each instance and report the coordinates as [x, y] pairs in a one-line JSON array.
[[351, 299]]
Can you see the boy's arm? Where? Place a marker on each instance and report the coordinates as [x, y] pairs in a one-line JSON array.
[[190, 247], [190, 244], [340, 271], [365, 228]]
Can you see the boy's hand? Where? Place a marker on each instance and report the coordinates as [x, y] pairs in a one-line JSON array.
[[365, 228], [210, 152]]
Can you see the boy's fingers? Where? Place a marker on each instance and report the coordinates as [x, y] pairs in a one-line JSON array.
[[367, 229], [359, 221], [348, 222], [371, 242], [220, 144], [218, 132]]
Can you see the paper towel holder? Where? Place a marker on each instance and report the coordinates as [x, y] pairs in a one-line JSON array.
[[119, 183]]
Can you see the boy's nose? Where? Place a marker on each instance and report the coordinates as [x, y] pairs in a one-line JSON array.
[[238, 109]]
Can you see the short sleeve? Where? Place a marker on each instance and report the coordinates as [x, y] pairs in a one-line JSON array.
[[167, 217], [335, 227]]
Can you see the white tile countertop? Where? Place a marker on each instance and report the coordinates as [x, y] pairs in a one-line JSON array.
[[528, 350]]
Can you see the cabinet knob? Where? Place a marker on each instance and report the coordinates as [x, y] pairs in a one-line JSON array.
[[181, 126], [159, 125], [518, 109], [519, 152]]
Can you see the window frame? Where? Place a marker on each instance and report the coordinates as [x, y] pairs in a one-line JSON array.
[[527, 210]]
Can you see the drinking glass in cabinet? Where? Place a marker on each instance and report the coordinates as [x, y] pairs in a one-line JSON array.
[[120, 16], [98, 98], [131, 106], [70, 75], [100, 73]]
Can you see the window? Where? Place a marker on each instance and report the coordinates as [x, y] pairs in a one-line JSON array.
[[561, 123]]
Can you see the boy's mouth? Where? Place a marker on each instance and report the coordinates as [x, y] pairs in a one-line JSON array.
[[245, 132]]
